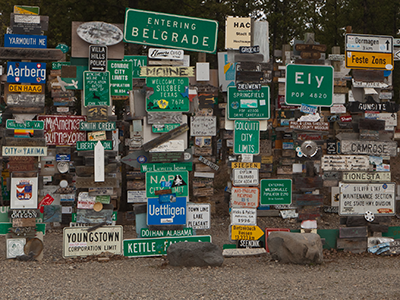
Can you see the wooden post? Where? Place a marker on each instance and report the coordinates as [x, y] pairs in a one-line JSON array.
[[285, 48]]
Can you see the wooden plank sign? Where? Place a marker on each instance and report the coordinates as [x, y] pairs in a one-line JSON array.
[[86, 182], [25, 100], [203, 126], [344, 163], [165, 137], [388, 148], [317, 126]]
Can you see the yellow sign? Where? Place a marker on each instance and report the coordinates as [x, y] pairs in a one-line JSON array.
[[267, 159], [369, 60], [32, 88], [243, 165], [246, 232]]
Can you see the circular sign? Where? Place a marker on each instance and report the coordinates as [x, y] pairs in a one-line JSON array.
[[63, 166], [98, 206], [309, 148], [100, 33], [63, 183]]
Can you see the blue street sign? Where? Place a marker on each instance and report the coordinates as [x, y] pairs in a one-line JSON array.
[[26, 72], [171, 213], [25, 41]]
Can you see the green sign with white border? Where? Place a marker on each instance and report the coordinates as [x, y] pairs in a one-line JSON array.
[[246, 137], [37, 125], [157, 246], [177, 181], [121, 77], [166, 167], [138, 61], [162, 128], [96, 88], [249, 104], [89, 145], [275, 191], [309, 84], [97, 126]]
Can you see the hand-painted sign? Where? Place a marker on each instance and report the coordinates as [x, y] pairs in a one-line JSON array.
[[203, 126], [276, 191], [344, 163], [253, 105], [317, 126], [243, 216], [24, 151], [90, 145], [172, 31], [246, 137], [178, 181], [167, 71], [366, 176], [357, 199], [25, 41], [309, 84], [246, 232], [369, 147], [245, 197], [100, 33], [198, 215], [78, 241], [26, 72], [26, 10], [121, 77], [371, 105], [157, 246], [167, 94], [97, 58], [138, 61], [97, 126], [25, 24], [166, 167], [62, 130], [166, 213], [96, 88]]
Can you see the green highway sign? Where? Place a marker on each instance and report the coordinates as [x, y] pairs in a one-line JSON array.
[[163, 128], [246, 137], [157, 246], [146, 233], [89, 145], [309, 84], [248, 104], [169, 94], [138, 61], [56, 65], [37, 125], [96, 88], [172, 31], [276, 191], [121, 77], [178, 181], [97, 126], [166, 167]]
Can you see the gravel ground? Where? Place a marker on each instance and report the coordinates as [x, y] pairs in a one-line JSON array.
[[341, 276]]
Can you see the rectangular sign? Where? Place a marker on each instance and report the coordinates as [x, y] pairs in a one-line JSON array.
[[276, 191], [376, 148], [26, 10], [146, 233], [26, 72], [157, 246], [163, 128], [317, 126], [26, 88], [309, 84], [24, 192], [97, 58], [246, 232], [245, 197], [244, 104], [198, 215], [178, 181], [246, 138], [89, 145], [97, 126], [203, 126], [344, 163], [245, 177], [136, 196], [170, 71], [138, 61], [121, 77], [243, 216], [237, 32], [25, 41], [246, 165], [12, 124], [24, 151], [375, 198], [367, 60], [366, 176], [77, 241], [96, 88], [159, 53], [166, 213], [169, 94], [62, 130], [172, 31]]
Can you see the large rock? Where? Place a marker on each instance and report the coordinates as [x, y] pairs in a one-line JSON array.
[[295, 248], [194, 254]]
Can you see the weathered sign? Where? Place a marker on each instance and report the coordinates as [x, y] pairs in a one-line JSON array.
[[246, 232], [62, 130], [88, 182], [237, 32], [246, 165], [203, 126], [136, 196], [357, 199], [178, 181], [24, 151], [248, 104], [172, 31], [163, 128], [24, 193], [356, 106], [198, 215], [138, 61], [25, 24], [26, 100], [245, 197], [166, 167], [366, 176], [246, 137], [166, 213], [158, 53], [26, 88], [170, 71], [96, 88], [97, 126], [26, 72], [243, 216], [157, 246], [165, 137], [369, 147], [317, 126], [25, 41], [167, 94], [245, 177], [26, 10], [100, 33], [78, 241], [208, 163], [97, 136], [275, 191], [97, 58], [344, 163]]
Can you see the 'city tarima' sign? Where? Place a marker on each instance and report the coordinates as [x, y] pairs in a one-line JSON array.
[[173, 31]]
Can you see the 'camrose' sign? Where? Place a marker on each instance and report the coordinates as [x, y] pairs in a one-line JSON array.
[[369, 147], [174, 31]]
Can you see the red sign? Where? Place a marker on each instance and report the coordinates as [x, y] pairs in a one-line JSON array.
[[62, 130], [245, 197], [47, 200], [345, 118], [269, 230]]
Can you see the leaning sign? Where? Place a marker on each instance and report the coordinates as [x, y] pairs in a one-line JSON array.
[[78, 241], [357, 199], [172, 31]]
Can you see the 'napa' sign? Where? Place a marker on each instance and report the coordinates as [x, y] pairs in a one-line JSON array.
[[26, 72]]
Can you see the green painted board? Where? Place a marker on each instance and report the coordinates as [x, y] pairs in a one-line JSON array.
[[166, 167], [89, 145], [97, 126], [330, 236], [177, 181], [393, 232], [56, 65], [24, 9], [157, 246], [138, 61], [96, 88], [12, 124], [5, 226], [146, 233]]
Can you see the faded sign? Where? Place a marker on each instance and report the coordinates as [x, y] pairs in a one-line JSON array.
[[344, 163], [245, 197], [203, 126]]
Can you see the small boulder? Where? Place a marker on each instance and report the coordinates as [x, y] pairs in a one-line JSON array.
[[295, 248], [195, 254]]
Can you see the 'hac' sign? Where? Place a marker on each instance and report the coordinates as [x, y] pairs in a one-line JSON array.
[[26, 72]]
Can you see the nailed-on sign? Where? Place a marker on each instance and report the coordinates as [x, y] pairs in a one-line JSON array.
[[366, 176], [369, 147], [344, 163]]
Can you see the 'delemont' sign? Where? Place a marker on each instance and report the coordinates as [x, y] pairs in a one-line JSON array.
[[173, 31]]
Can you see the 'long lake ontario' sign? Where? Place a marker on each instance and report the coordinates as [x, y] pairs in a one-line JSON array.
[[173, 31]]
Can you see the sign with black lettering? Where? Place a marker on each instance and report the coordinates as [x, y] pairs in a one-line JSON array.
[[198, 216], [97, 58], [369, 147], [331, 147]]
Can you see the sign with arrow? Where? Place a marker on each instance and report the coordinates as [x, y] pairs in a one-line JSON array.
[[246, 232]]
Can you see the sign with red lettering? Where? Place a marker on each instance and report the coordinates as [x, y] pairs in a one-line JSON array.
[[62, 130], [245, 197]]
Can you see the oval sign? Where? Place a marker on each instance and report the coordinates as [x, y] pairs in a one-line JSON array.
[[100, 33]]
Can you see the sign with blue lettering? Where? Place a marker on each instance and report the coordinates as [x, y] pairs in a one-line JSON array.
[[171, 213], [25, 41], [26, 72]]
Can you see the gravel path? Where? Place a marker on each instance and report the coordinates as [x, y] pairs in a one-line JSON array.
[[341, 276]]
